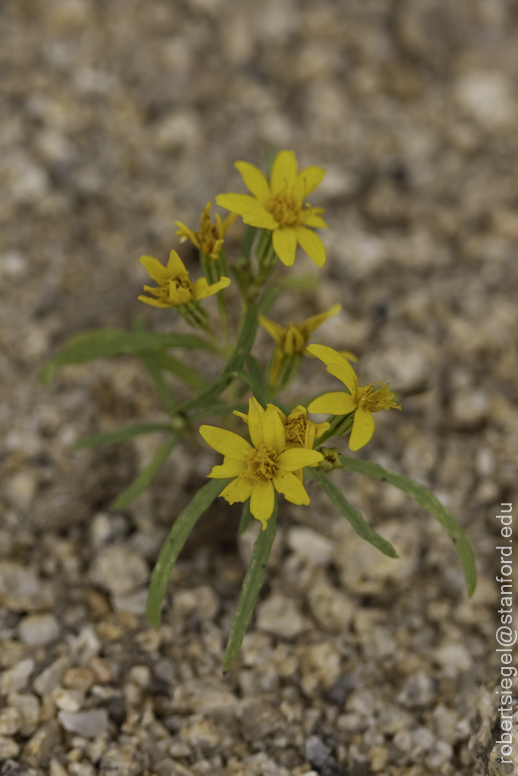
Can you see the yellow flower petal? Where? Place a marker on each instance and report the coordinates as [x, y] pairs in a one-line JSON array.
[[201, 289], [186, 234], [273, 430], [363, 429], [255, 181], [313, 431], [291, 487], [237, 490], [346, 374], [155, 270], [153, 302], [298, 458], [312, 244], [310, 324], [275, 330], [175, 265], [284, 171], [279, 412], [241, 415], [285, 245], [224, 226], [229, 468], [256, 416], [330, 356], [308, 179], [335, 403], [313, 219], [179, 295], [259, 217], [262, 501], [237, 203], [226, 442]]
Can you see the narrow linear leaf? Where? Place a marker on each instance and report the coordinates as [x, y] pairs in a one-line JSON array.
[[217, 410], [147, 475], [300, 283], [246, 517], [351, 514], [111, 437], [271, 293], [251, 585], [152, 365], [426, 499], [260, 393], [248, 242], [172, 546], [116, 342], [191, 377], [235, 363]]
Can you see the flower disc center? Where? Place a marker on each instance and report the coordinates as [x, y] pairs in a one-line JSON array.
[[262, 464], [285, 208]]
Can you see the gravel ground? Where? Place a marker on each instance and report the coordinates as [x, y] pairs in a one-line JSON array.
[[119, 118]]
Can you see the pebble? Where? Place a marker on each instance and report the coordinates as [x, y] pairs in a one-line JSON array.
[[201, 600], [311, 545], [417, 691], [68, 700], [280, 616], [10, 721], [51, 676], [8, 748], [21, 590], [28, 707], [316, 751], [258, 719], [15, 678], [119, 569], [56, 769], [37, 629], [85, 723], [78, 678], [38, 749], [332, 609]]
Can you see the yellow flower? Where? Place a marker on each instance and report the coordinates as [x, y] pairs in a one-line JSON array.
[[175, 287], [209, 239], [279, 206], [292, 340], [260, 470], [363, 401], [299, 430]]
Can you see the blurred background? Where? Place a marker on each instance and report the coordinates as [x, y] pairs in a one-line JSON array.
[[120, 117]]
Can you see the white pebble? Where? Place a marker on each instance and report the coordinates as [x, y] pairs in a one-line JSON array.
[[38, 629]]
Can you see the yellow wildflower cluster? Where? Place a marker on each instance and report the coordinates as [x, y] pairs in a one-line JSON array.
[[209, 239], [175, 287]]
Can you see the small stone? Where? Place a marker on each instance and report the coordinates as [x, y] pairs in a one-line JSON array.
[[320, 667], [316, 752], [85, 723], [311, 545], [379, 756], [134, 603], [78, 678], [258, 719], [56, 769], [102, 670], [15, 678], [51, 676], [119, 569], [453, 657], [201, 600], [331, 608], [417, 691], [280, 616], [29, 708], [178, 130], [121, 761], [10, 721], [488, 97], [68, 700], [200, 732], [8, 748], [37, 629], [21, 590], [20, 490], [40, 746], [469, 408]]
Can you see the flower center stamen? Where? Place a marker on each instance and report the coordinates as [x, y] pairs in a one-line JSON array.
[[295, 430], [375, 401], [261, 465], [286, 210]]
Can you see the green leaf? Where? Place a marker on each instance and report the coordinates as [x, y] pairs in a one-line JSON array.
[[174, 543], [237, 359], [115, 342], [351, 514], [251, 585], [248, 242], [246, 517], [271, 293], [183, 372], [300, 282], [257, 385], [217, 410], [151, 363], [426, 499], [111, 437], [147, 475]]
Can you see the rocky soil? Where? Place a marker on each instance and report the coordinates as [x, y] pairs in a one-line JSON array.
[[119, 118]]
